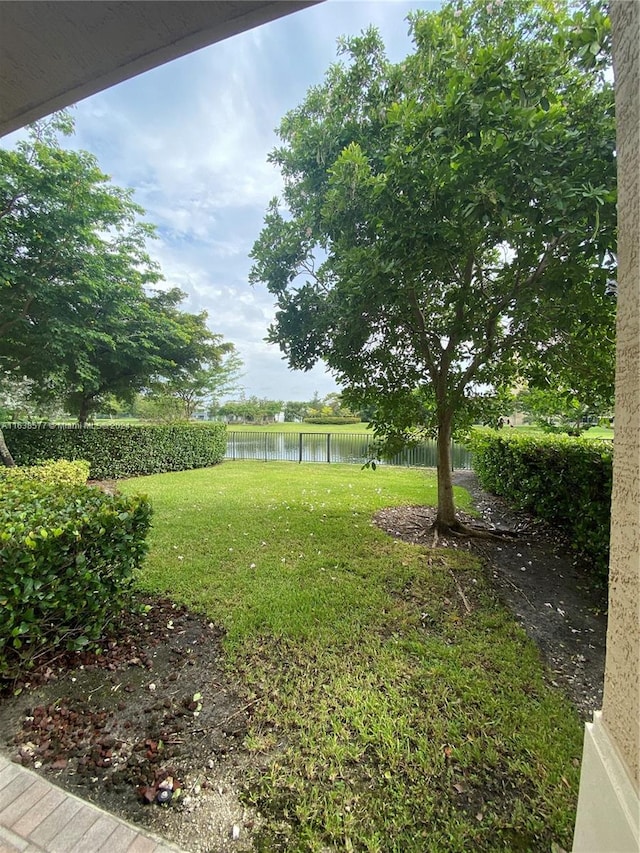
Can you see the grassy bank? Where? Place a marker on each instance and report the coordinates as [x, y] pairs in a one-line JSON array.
[[592, 432], [302, 427], [389, 717]]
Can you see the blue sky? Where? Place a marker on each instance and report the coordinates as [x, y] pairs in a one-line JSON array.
[[192, 137]]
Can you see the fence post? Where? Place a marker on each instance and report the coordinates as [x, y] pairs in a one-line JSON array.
[[328, 447], [300, 448]]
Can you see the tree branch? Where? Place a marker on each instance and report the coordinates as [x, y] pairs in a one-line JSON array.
[[454, 338], [21, 316], [543, 263], [418, 317], [491, 326], [8, 207]]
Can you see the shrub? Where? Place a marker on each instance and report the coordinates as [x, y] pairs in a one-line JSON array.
[[120, 451], [332, 419], [68, 555], [61, 472], [566, 481]]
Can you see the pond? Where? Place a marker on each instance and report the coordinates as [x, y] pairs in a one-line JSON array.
[[331, 447]]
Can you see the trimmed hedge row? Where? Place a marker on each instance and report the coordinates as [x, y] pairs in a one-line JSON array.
[[566, 481], [68, 554], [332, 419], [120, 451]]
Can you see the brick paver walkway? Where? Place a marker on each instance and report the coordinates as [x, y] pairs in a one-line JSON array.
[[38, 817]]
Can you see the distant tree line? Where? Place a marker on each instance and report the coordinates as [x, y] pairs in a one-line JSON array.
[[254, 410]]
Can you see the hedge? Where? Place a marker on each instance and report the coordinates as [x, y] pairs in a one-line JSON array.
[[120, 451], [68, 555], [61, 472], [566, 481], [332, 419]]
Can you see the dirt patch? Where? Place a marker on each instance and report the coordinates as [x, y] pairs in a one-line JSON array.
[[536, 576], [154, 717]]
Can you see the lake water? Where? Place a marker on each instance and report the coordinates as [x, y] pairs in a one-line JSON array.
[[330, 447]]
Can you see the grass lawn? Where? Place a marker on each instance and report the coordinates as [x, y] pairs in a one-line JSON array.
[[291, 427], [389, 718], [599, 432], [592, 432]]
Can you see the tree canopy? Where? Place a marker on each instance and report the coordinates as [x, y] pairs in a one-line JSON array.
[[559, 409], [213, 373], [250, 409], [84, 314], [449, 221]]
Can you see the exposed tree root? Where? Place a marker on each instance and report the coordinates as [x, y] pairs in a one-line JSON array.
[[422, 524], [471, 531]]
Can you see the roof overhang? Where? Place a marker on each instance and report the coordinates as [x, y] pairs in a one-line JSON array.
[[53, 54]]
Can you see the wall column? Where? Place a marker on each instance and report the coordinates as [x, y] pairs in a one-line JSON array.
[[608, 818]]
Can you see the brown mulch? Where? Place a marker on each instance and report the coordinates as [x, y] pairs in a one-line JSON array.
[[155, 710]]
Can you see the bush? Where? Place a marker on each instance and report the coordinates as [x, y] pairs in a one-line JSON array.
[[61, 472], [566, 481], [120, 451], [68, 555], [332, 419]]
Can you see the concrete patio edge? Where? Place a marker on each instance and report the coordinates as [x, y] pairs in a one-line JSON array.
[[37, 816]]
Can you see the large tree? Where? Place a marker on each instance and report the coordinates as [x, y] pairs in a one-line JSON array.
[[65, 233], [82, 313], [132, 339], [449, 219]]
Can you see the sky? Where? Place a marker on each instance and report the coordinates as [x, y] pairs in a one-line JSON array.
[[191, 138]]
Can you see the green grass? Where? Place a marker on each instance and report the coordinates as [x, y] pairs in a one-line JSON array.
[[387, 716], [291, 427], [275, 427], [599, 432], [593, 432]]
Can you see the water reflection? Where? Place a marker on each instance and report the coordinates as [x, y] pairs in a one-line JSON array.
[[330, 447]]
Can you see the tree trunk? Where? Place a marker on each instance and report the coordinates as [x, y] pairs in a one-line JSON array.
[[5, 455], [446, 516], [84, 411], [446, 520]]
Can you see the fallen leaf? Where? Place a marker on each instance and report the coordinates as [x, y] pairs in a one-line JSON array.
[[147, 794]]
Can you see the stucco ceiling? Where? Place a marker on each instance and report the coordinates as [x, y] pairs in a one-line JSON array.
[[55, 53]]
